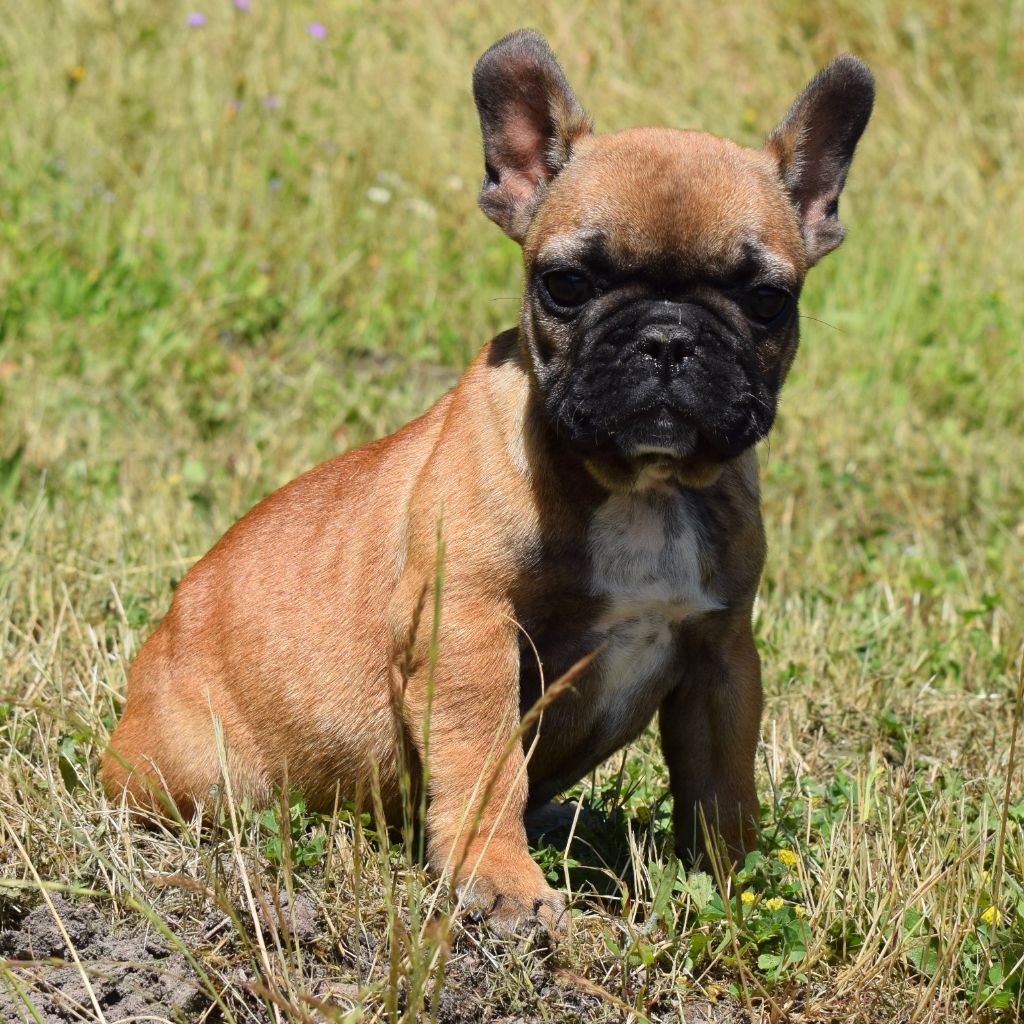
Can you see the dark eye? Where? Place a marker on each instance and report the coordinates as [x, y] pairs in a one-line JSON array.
[[765, 304], [568, 289]]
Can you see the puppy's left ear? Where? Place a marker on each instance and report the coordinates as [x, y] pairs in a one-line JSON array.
[[530, 118], [814, 147]]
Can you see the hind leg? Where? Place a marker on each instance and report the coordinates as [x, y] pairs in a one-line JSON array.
[[165, 752], [156, 761]]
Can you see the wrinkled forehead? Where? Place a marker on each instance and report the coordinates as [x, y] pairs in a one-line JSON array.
[[684, 203]]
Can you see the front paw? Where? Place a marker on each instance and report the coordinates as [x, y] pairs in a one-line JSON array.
[[514, 900]]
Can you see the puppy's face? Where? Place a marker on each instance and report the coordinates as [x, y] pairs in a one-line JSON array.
[[663, 268], [663, 272]]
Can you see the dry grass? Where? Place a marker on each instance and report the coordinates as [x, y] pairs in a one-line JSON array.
[[206, 290]]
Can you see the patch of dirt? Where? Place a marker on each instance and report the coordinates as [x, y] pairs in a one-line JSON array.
[[135, 975], [130, 975], [474, 993], [299, 918]]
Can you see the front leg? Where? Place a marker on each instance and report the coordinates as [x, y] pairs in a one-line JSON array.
[[710, 725], [477, 768]]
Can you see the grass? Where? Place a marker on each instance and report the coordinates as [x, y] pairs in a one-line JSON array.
[[231, 251]]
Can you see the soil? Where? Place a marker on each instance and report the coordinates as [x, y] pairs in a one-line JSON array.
[[130, 975], [136, 975]]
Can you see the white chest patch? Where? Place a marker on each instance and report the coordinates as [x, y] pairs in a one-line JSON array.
[[646, 552]]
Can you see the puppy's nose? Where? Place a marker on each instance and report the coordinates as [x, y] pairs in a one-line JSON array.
[[667, 346]]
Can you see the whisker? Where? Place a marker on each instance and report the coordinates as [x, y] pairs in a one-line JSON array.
[[807, 316], [760, 401]]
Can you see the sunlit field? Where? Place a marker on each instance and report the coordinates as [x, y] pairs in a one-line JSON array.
[[239, 238]]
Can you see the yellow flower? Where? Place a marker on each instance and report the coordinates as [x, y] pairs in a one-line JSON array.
[[775, 903], [75, 74], [787, 857], [991, 915], [800, 910], [749, 897]]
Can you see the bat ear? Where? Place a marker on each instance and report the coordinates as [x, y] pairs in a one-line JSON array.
[[814, 145], [530, 119]]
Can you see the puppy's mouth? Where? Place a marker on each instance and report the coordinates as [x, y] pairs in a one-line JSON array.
[[663, 439], [687, 459], [657, 436], [651, 448], [657, 442]]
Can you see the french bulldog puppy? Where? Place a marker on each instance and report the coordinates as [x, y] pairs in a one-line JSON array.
[[596, 485]]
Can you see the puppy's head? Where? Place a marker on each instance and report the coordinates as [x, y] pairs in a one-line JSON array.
[[663, 267]]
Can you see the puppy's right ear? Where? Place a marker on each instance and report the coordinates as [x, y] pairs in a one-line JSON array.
[[530, 119]]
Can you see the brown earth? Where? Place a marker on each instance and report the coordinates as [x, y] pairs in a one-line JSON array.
[[135, 974], [129, 974]]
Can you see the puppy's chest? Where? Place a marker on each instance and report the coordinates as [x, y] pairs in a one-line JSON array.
[[650, 570]]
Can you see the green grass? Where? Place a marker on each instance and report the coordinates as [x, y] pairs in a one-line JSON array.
[[204, 293]]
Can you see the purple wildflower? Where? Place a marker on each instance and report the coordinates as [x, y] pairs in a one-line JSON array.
[[271, 102], [243, 5], [316, 30], [196, 19]]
